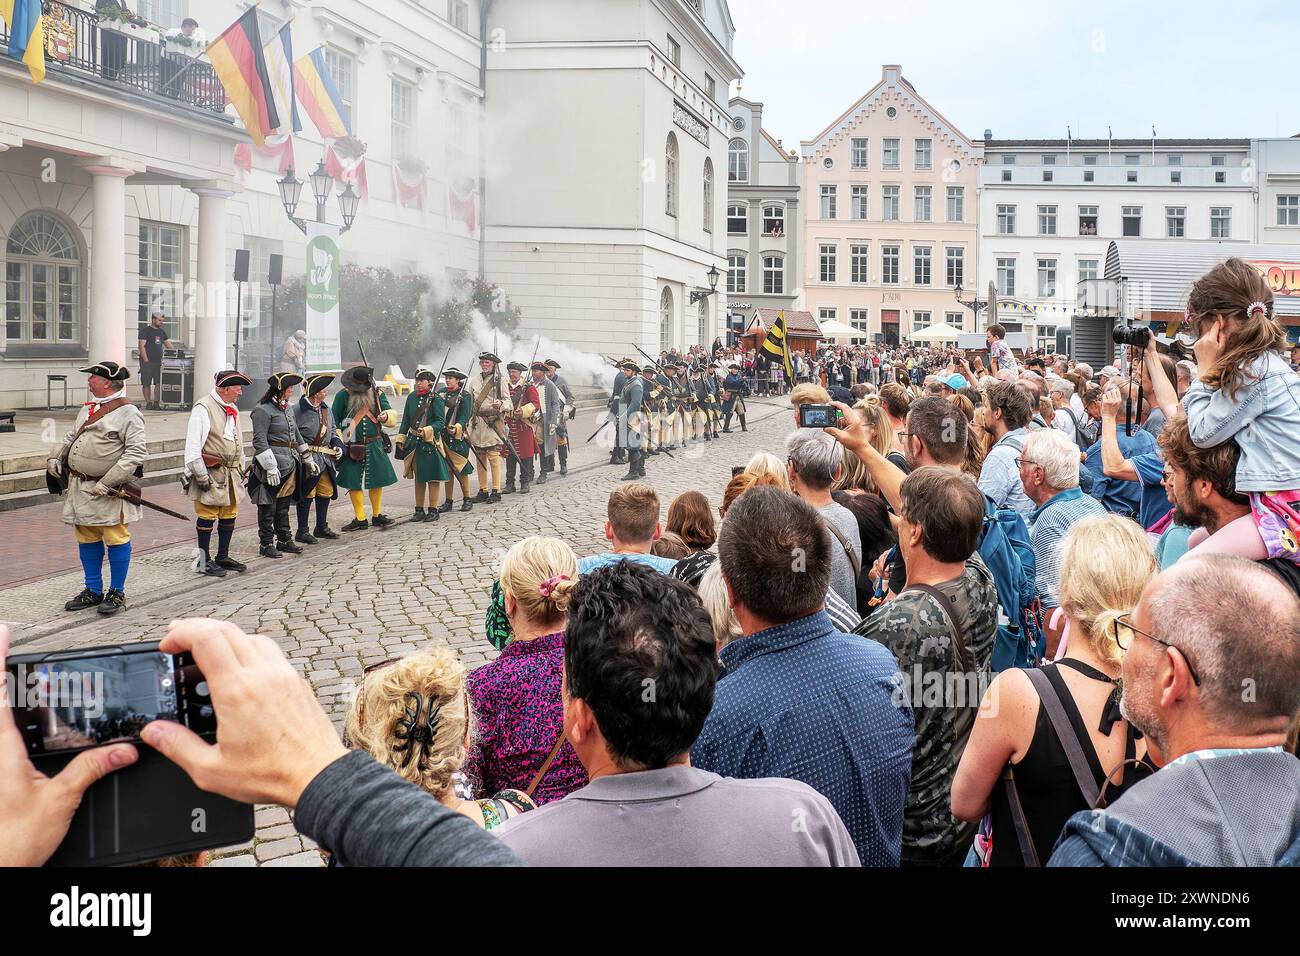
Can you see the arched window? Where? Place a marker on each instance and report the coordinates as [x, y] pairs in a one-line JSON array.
[[666, 320], [670, 175], [42, 281], [738, 161], [704, 322], [774, 221], [708, 195], [737, 267]]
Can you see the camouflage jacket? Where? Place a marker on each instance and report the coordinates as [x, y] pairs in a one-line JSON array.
[[944, 699]]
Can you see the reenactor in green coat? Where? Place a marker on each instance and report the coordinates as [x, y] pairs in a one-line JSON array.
[[455, 437], [365, 466], [419, 444]]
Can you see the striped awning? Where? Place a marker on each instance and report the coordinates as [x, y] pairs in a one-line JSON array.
[[1158, 275]]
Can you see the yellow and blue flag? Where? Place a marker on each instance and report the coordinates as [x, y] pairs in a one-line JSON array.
[[777, 345], [318, 95], [26, 35]]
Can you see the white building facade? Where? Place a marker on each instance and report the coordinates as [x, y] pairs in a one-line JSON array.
[[1277, 168], [606, 165], [1049, 209], [764, 216], [120, 195]]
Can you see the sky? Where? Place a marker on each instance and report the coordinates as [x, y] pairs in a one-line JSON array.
[[1029, 70]]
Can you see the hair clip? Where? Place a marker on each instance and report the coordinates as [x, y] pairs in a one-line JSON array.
[[410, 730], [547, 587], [1256, 306]]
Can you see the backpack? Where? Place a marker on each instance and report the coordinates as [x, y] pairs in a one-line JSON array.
[[1005, 550]]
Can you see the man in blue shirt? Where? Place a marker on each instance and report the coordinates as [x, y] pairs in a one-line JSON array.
[[1128, 470], [1010, 408], [798, 698], [632, 527]]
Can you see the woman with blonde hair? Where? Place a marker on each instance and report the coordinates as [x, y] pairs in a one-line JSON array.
[[855, 476], [519, 741], [713, 595], [412, 715], [764, 463], [1105, 564]]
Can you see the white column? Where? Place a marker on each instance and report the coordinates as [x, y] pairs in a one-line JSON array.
[[210, 353], [106, 340]]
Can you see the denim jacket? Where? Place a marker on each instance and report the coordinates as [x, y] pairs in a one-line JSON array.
[[1264, 420]]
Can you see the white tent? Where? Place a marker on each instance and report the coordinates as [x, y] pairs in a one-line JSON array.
[[943, 332], [832, 329]]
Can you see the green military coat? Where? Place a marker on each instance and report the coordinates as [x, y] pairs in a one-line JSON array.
[[376, 470], [424, 460]]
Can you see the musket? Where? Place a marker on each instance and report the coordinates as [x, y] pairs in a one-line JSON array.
[[136, 499], [374, 393], [496, 390]]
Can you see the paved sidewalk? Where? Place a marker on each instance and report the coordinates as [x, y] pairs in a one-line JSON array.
[[380, 594]]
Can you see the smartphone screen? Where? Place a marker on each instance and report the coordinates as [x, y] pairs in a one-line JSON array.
[[65, 703]]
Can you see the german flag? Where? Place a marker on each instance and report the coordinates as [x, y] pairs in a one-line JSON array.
[[777, 345], [237, 57]]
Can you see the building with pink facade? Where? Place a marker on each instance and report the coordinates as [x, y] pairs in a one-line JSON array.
[[890, 215]]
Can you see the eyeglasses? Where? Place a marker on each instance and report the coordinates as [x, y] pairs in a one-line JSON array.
[[1124, 629], [1022, 462]]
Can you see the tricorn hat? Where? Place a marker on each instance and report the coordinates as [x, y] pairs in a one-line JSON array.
[[551, 363], [282, 380], [109, 370], [538, 367], [424, 375], [357, 378], [489, 357], [517, 367], [455, 373], [629, 366], [318, 382], [231, 377], [648, 369]]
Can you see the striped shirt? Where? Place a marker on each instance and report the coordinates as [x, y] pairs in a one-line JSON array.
[[1048, 528]]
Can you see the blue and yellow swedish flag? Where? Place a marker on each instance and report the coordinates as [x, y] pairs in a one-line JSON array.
[[777, 345], [26, 35]]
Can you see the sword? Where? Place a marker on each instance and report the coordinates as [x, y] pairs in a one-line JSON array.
[[138, 500]]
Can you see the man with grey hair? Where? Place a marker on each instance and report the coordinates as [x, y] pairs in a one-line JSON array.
[[816, 460], [1217, 704], [1049, 472], [1066, 420]]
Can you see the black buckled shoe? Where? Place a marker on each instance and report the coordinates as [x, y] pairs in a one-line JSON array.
[[564, 470], [87, 598], [325, 531], [465, 505], [357, 525], [482, 497], [632, 475], [541, 479], [305, 537], [433, 515], [113, 602], [266, 551], [494, 498], [509, 489], [446, 506], [230, 564], [382, 521], [417, 517], [288, 547], [213, 569]]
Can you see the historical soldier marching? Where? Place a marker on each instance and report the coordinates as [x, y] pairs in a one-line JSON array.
[[361, 411], [215, 468], [652, 409], [663, 380], [316, 425], [455, 437], [631, 438], [103, 453], [626, 369], [550, 417], [571, 410], [490, 398], [733, 398], [683, 399], [519, 420], [278, 449], [419, 444], [712, 392]]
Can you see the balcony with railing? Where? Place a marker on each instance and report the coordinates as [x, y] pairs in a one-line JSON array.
[[125, 54]]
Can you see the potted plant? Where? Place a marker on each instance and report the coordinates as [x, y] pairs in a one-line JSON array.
[[116, 24]]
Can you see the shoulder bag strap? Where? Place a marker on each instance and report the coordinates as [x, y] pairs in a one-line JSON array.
[[950, 612], [550, 759], [848, 549], [103, 410], [1019, 820], [1065, 733]]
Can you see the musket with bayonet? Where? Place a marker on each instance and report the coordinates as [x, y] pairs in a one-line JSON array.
[[496, 390], [665, 375]]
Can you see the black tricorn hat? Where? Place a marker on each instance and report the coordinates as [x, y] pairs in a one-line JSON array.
[[538, 367], [282, 380], [489, 357], [109, 370], [455, 373], [318, 382], [359, 376], [230, 377], [649, 369], [424, 375], [551, 363], [517, 367], [629, 365]]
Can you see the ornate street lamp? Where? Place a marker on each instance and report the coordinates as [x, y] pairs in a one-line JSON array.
[[290, 191], [348, 202], [975, 304], [322, 184], [713, 276]]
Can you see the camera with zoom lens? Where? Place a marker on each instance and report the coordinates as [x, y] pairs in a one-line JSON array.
[[1138, 334]]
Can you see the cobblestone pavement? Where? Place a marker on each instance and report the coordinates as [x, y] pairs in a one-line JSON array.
[[380, 594]]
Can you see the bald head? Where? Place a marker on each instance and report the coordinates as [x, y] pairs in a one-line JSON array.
[[1238, 624]]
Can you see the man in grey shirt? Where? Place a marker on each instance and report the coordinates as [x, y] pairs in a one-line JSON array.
[[635, 637], [816, 460]]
